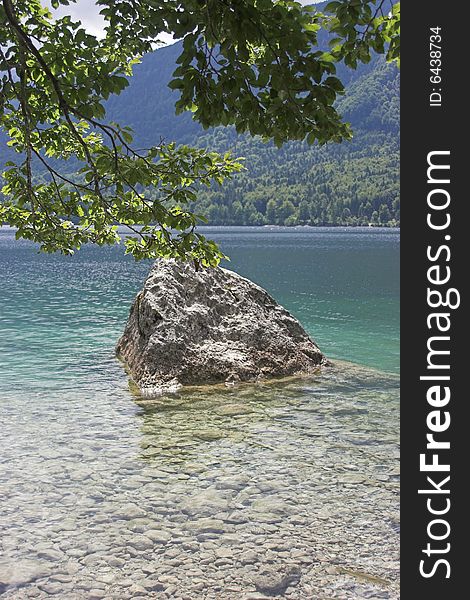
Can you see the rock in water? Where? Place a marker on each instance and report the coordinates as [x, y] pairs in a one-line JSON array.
[[189, 327]]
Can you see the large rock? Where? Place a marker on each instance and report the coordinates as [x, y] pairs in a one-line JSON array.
[[189, 327]]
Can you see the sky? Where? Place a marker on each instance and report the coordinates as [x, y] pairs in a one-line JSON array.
[[87, 12]]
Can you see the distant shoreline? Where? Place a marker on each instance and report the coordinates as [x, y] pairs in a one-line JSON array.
[[286, 228]]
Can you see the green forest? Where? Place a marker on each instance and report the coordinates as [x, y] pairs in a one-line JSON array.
[[352, 183]]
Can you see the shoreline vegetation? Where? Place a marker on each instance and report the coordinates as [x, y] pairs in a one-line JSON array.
[[268, 226], [349, 184], [336, 185]]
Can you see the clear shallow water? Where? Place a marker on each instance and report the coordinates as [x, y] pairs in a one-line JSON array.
[[106, 496]]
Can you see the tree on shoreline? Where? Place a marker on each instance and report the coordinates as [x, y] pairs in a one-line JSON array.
[[253, 64]]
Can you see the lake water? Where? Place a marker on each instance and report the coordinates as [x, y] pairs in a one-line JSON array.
[[219, 493]]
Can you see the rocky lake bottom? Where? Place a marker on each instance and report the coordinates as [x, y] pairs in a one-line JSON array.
[[280, 489]]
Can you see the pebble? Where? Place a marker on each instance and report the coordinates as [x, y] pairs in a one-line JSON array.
[[169, 579], [208, 525], [158, 536], [52, 555], [153, 585], [129, 511], [95, 594], [115, 561], [136, 590], [249, 557], [61, 577], [233, 410], [51, 588], [227, 498], [140, 542]]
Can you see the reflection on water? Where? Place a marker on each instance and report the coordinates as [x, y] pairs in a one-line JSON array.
[[205, 494], [224, 494]]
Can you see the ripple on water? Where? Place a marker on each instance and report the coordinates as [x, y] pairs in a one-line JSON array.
[[210, 494], [216, 494]]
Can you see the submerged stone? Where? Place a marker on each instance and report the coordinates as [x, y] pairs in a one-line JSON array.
[[19, 573], [275, 583], [189, 327]]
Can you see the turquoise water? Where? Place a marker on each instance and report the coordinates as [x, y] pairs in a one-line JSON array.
[[211, 494], [61, 316]]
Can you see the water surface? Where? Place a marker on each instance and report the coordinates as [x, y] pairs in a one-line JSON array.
[[216, 493]]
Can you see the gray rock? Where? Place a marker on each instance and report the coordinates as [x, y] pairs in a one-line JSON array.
[[272, 505], [158, 536], [276, 584], [189, 327], [129, 511], [168, 579], [51, 555], [94, 594], [141, 542], [152, 585], [249, 557], [233, 410], [207, 525], [205, 503], [51, 588], [21, 572]]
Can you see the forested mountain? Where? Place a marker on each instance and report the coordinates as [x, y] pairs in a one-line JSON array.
[[338, 184]]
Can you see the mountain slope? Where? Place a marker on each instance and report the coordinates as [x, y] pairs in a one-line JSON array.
[[339, 184]]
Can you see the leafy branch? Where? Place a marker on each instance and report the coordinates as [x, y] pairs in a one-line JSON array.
[[254, 64]]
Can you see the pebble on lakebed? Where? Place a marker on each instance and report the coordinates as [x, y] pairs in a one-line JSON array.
[[196, 327], [285, 500]]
